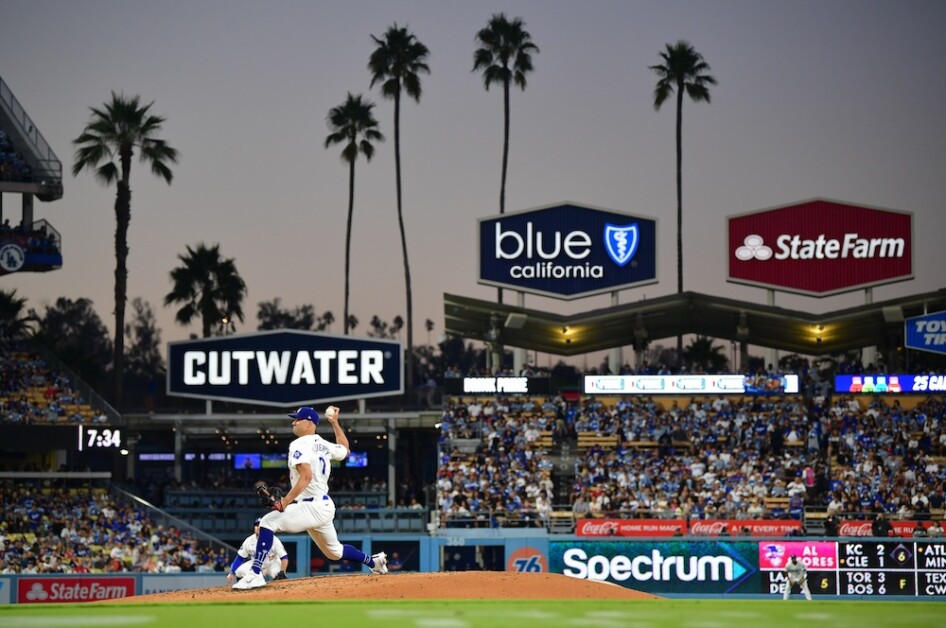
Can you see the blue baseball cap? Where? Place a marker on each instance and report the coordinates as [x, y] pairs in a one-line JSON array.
[[306, 413]]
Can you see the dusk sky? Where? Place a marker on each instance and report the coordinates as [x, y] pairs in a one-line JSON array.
[[841, 99]]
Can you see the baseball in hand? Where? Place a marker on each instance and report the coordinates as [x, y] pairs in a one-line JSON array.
[[331, 412]]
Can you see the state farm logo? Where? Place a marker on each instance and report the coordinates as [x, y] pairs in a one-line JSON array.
[[753, 247], [82, 589], [795, 247], [37, 593], [820, 247]]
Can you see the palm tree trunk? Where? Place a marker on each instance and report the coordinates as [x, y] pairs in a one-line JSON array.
[[351, 209], [502, 184], [680, 89], [409, 354], [122, 220]]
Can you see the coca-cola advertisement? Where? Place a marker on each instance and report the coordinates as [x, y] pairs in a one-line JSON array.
[[865, 528], [630, 527], [744, 527], [58, 590]]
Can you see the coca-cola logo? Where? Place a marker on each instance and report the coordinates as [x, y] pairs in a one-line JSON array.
[[713, 528], [597, 528], [857, 528]]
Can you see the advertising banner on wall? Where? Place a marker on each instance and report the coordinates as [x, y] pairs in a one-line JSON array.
[[926, 333], [867, 567], [820, 247], [734, 384], [892, 384], [67, 589], [567, 251], [285, 368]]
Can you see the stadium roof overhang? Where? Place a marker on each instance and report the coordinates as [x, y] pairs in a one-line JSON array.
[[638, 323]]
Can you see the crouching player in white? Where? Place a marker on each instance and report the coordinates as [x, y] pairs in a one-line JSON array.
[[274, 565], [797, 575], [307, 507]]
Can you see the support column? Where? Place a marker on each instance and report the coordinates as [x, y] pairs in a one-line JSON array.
[[178, 452], [869, 354], [771, 355], [615, 355], [518, 353], [392, 458]]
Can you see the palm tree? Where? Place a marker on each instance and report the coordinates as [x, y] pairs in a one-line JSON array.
[[13, 324], [353, 125], [503, 44], [208, 287], [683, 70], [395, 63], [115, 132]]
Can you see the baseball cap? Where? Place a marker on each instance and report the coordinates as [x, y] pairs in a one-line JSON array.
[[306, 413]]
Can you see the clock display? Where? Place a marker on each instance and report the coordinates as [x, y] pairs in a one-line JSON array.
[[99, 438]]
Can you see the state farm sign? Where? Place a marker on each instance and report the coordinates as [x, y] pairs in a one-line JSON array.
[[820, 247]]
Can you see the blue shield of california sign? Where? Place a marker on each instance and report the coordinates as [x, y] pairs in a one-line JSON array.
[[926, 333], [285, 368], [567, 251]]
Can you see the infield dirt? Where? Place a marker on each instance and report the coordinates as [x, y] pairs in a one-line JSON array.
[[473, 585]]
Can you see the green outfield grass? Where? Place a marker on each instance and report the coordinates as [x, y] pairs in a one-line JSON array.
[[492, 614]]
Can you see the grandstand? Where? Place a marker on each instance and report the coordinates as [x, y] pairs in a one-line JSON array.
[[30, 168]]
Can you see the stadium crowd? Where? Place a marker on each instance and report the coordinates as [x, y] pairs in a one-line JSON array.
[[33, 393], [713, 458], [12, 165], [72, 530]]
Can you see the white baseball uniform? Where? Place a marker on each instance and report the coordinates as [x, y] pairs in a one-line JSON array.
[[797, 574], [272, 565], [313, 511]]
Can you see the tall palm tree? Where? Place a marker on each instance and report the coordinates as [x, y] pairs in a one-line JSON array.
[[504, 43], [505, 57], [683, 70], [114, 132], [396, 63], [208, 287], [353, 125]]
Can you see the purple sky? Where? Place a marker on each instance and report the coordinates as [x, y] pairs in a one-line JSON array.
[[838, 99]]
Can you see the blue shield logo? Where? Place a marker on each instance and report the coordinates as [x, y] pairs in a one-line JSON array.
[[621, 242]]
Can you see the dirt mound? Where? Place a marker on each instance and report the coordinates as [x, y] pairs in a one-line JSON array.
[[474, 585]]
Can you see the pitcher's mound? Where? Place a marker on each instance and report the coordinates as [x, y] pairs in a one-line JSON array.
[[474, 585]]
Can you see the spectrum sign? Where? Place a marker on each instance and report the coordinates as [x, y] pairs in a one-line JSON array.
[[567, 251], [820, 247]]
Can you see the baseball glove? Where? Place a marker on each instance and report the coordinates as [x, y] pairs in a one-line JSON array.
[[269, 496], [281, 576]]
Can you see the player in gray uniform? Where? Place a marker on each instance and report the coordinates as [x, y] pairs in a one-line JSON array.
[[307, 506], [797, 575], [274, 567]]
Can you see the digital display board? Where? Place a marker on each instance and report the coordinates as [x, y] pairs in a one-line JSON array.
[[894, 384], [733, 384]]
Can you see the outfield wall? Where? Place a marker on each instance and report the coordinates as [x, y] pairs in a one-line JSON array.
[[855, 567]]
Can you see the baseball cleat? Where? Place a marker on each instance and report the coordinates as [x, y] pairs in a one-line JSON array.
[[251, 580], [380, 563]]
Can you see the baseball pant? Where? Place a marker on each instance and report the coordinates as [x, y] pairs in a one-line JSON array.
[[270, 570], [803, 585], [316, 517]]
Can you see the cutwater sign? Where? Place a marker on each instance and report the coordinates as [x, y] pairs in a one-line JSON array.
[[926, 333], [567, 251], [285, 368]]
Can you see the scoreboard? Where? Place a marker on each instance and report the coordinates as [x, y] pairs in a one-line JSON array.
[[862, 568]]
